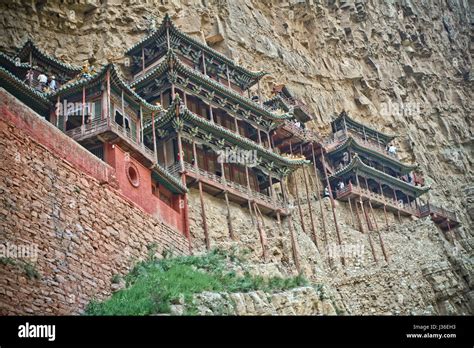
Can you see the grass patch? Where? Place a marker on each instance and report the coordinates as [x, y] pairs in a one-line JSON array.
[[153, 285]]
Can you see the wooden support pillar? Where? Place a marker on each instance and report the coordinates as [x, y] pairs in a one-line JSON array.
[[259, 137], [384, 205], [270, 188], [204, 63], [123, 114], [236, 125], [249, 193], [140, 138], [154, 135], [58, 111], [352, 214], [318, 195], [269, 140], [379, 233], [298, 199], [261, 233], [396, 204], [211, 113], [310, 208], [83, 108], [333, 205], [294, 244], [359, 220], [385, 214], [228, 75], [143, 58], [201, 198], [183, 180], [108, 114], [368, 233], [226, 196]]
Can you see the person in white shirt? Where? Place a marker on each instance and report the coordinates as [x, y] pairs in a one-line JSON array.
[[392, 150], [52, 83], [43, 80], [341, 185]]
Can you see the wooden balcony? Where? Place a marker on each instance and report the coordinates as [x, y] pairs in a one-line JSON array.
[[377, 200], [303, 134], [445, 219], [335, 141], [110, 131], [216, 185]]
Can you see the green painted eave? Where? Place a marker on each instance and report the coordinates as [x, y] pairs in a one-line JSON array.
[[172, 59], [30, 46], [351, 142], [115, 78], [28, 95], [169, 181], [173, 30], [381, 136], [357, 165], [187, 115]]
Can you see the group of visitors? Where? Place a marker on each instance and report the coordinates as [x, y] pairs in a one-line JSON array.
[[44, 83]]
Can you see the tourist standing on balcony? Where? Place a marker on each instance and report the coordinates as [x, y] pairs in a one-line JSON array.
[[392, 150], [29, 76], [43, 81], [52, 83]]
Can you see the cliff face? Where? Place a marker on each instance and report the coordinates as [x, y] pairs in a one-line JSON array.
[[401, 66]]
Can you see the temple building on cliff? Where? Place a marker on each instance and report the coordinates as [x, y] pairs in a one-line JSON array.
[[184, 116]]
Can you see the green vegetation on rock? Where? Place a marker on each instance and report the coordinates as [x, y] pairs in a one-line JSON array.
[[153, 285]]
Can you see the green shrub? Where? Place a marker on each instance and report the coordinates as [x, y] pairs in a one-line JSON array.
[[153, 285]]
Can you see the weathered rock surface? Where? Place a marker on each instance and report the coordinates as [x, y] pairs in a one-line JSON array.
[[299, 301], [404, 67]]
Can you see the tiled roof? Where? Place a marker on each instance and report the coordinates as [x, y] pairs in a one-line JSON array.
[[29, 45], [357, 163], [352, 141], [175, 31], [179, 66]]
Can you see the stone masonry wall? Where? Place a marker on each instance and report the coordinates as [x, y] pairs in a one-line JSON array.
[[85, 231]]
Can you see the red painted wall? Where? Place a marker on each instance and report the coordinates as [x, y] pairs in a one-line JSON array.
[[142, 195]]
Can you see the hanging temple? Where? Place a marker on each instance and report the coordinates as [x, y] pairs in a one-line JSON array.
[[186, 118]]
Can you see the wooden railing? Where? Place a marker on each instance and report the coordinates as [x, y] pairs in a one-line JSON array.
[[243, 190], [350, 188], [305, 134], [429, 209], [99, 126], [336, 140]]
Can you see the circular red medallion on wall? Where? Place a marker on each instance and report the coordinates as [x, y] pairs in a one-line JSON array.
[[132, 174]]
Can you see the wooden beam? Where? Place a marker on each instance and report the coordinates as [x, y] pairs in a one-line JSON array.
[[310, 208], [333, 206]]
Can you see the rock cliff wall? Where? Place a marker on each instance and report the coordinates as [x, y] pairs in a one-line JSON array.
[[402, 66]]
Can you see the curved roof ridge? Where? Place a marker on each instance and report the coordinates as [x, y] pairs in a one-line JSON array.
[[171, 56], [351, 139], [29, 42], [167, 21], [356, 162]]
